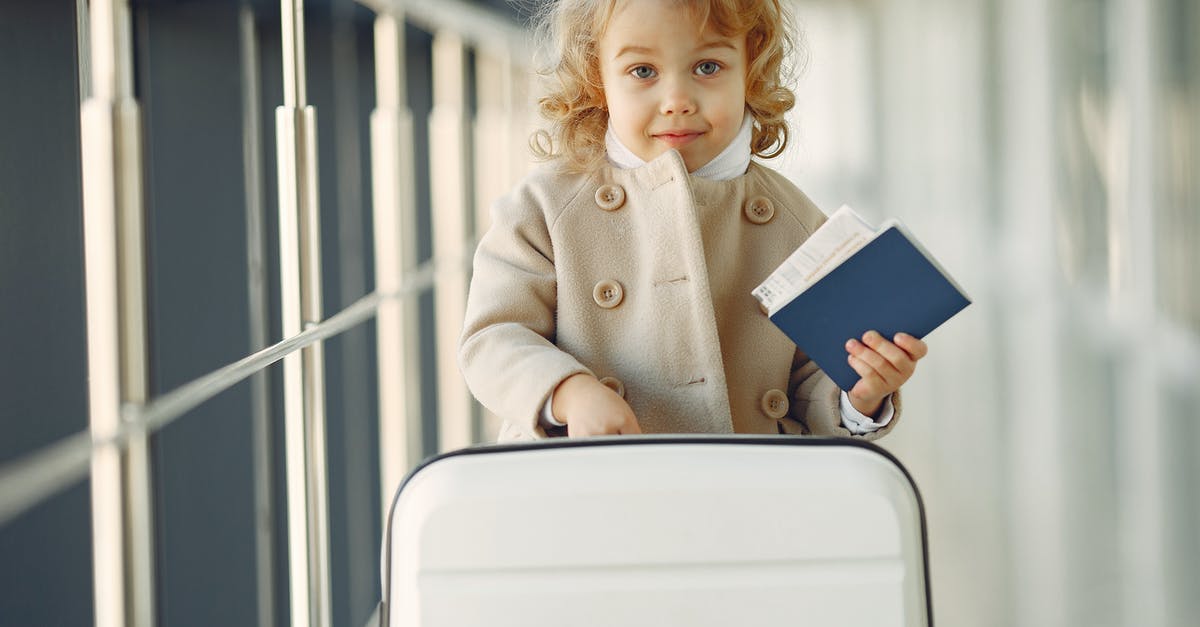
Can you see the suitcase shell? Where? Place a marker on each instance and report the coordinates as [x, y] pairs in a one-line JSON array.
[[658, 530]]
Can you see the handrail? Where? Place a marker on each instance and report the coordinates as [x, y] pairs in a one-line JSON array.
[[36, 476], [33, 478]]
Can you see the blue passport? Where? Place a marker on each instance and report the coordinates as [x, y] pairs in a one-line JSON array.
[[890, 285]]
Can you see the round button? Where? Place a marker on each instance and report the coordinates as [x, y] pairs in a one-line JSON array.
[[610, 197], [775, 404], [608, 293], [615, 385], [760, 210]]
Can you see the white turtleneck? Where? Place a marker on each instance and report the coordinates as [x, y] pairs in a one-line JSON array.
[[731, 163]]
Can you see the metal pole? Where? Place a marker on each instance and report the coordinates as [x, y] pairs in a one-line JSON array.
[[451, 216], [115, 269], [295, 89], [304, 377], [395, 218]]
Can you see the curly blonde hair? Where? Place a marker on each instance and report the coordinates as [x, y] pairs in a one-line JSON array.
[[569, 31]]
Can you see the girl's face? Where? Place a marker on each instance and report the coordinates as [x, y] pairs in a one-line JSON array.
[[670, 85]]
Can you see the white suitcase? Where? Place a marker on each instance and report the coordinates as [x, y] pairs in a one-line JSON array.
[[658, 530]]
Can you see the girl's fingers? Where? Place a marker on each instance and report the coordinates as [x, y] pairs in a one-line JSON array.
[[868, 375], [869, 384], [887, 370], [915, 348], [896, 356]]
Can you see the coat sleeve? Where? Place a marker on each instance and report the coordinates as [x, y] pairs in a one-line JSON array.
[[507, 352], [816, 402]]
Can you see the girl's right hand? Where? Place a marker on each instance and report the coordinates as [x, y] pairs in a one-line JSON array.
[[589, 407]]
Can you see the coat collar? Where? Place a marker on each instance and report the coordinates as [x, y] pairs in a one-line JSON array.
[[669, 167]]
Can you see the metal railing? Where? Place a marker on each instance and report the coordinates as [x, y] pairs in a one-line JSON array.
[[114, 451]]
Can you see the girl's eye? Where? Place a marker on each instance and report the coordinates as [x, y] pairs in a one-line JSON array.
[[708, 68], [642, 71]]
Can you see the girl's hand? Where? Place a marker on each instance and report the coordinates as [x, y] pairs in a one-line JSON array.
[[589, 407], [884, 367]]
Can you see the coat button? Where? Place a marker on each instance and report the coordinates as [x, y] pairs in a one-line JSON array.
[[774, 404], [610, 197], [608, 293], [615, 385], [760, 210]]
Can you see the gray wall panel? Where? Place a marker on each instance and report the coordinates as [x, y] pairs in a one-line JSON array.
[[189, 85], [46, 552]]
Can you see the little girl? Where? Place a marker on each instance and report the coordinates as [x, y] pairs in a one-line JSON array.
[[612, 293]]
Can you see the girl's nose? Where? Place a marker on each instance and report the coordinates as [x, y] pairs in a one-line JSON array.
[[677, 100]]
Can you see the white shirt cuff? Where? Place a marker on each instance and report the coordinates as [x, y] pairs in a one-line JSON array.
[[859, 424], [547, 418]]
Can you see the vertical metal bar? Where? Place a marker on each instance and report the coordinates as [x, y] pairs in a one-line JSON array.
[[314, 385], [295, 92], [83, 41], [447, 155], [121, 498], [256, 273], [395, 220], [104, 398], [132, 264], [293, 374], [131, 284], [104, 386], [304, 379]]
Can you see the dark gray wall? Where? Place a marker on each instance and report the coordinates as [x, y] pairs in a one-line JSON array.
[[189, 86], [45, 555]]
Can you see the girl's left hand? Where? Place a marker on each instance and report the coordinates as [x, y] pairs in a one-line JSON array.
[[884, 366]]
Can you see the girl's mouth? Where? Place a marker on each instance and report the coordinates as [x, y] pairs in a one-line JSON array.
[[676, 139]]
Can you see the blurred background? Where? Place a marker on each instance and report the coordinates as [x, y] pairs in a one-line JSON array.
[[1046, 152]]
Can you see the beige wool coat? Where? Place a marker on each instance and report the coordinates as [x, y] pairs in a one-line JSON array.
[[642, 277]]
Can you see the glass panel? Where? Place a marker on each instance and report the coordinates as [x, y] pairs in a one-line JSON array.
[[1183, 518], [1091, 392], [1085, 135], [1178, 218], [206, 519], [46, 551]]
